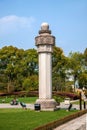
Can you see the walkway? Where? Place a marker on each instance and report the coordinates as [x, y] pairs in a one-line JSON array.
[[31, 106], [7, 105], [75, 124]]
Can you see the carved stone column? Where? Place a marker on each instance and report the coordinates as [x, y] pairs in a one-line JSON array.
[[45, 42]]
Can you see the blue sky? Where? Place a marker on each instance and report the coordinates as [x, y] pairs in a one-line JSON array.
[[20, 21]]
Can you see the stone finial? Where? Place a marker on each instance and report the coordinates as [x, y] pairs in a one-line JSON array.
[[44, 38], [44, 29], [44, 26]]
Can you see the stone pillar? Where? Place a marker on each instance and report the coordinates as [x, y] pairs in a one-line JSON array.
[[45, 42]]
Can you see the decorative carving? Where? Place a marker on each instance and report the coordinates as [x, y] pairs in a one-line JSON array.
[[45, 40]]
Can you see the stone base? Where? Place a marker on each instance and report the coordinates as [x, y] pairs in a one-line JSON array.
[[47, 104]]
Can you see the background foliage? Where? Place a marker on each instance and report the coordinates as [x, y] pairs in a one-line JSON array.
[[19, 69]]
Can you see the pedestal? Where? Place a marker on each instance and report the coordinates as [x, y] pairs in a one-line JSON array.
[[47, 104]]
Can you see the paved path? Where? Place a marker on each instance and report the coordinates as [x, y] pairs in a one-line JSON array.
[[75, 124], [62, 105], [74, 106], [31, 106], [7, 105]]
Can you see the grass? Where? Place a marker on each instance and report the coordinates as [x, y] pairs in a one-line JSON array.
[[20, 99], [19, 119], [78, 102]]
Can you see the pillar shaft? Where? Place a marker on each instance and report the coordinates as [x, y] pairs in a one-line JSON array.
[[45, 76]]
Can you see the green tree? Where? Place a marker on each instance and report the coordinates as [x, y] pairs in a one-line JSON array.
[[16, 65], [85, 59], [31, 61], [30, 83], [6, 56], [76, 65], [59, 67], [83, 80]]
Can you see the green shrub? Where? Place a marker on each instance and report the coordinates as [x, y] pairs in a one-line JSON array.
[[58, 99]]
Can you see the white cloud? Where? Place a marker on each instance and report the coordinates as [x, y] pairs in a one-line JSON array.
[[13, 23]]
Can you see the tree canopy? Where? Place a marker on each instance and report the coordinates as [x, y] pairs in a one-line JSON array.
[[19, 69]]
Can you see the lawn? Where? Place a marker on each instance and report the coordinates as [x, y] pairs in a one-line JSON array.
[[78, 102], [20, 99], [20, 119]]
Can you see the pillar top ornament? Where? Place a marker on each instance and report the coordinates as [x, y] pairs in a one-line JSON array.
[[44, 26], [44, 37], [44, 29]]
